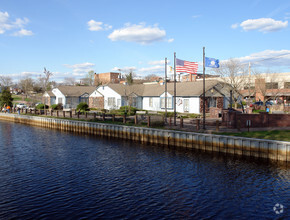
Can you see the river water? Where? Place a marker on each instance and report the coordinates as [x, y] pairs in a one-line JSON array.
[[47, 174]]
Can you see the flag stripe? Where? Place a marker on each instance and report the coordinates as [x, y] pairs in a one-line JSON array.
[[186, 66]]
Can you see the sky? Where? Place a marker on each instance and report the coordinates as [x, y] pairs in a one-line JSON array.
[[71, 37]]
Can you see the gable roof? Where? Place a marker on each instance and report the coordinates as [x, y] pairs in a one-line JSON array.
[[182, 89], [76, 90]]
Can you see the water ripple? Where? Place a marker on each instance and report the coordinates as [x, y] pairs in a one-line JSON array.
[[45, 174]]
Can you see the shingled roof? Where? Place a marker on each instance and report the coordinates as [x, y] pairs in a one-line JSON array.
[[182, 89], [76, 90]]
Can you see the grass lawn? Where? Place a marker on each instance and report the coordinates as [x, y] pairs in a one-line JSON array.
[[282, 135]]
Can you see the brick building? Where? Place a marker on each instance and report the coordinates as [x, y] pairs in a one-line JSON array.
[[104, 78]]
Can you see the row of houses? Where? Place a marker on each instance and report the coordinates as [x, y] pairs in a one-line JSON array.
[[144, 96]]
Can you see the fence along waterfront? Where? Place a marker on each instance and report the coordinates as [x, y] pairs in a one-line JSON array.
[[268, 149]]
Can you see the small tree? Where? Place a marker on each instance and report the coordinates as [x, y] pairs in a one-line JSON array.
[[6, 98], [82, 107]]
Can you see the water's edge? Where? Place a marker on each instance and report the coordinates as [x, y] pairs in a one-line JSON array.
[[259, 148]]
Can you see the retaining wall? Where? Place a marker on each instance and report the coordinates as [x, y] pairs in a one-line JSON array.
[[273, 150]]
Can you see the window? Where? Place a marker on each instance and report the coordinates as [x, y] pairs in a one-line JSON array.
[[111, 101], [59, 100], [118, 102], [286, 85], [212, 102], [169, 102], [186, 105], [150, 102], [272, 85]]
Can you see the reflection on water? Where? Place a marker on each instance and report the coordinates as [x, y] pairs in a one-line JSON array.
[[58, 175]]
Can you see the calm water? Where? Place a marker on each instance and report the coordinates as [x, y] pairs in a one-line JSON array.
[[45, 174]]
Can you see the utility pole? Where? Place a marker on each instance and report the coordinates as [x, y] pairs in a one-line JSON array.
[[165, 90], [203, 110], [174, 100]]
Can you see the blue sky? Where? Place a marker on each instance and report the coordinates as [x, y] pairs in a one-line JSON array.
[[71, 37]]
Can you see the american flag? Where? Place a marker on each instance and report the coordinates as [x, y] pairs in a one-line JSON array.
[[183, 66]]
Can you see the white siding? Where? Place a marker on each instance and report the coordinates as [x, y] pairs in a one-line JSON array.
[[193, 104], [155, 103], [58, 96], [107, 92]]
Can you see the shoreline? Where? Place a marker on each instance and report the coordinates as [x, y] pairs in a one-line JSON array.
[[259, 148]]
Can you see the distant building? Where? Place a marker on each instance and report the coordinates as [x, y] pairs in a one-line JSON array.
[[104, 78]]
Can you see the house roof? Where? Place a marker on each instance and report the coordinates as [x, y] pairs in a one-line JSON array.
[[182, 89], [76, 90]]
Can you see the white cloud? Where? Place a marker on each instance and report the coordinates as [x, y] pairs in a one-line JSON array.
[[125, 69], [6, 24], [170, 40], [268, 58], [23, 32], [153, 69], [156, 62], [80, 69], [139, 33], [264, 25], [98, 26], [234, 26]]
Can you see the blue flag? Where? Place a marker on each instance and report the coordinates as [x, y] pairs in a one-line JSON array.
[[211, 62]]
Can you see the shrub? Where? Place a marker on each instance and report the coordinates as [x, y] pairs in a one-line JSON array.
[[57, 106], [128, 109], [41, 106], [83, 107]]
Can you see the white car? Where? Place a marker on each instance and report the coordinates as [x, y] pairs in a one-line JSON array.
[[21, 105]]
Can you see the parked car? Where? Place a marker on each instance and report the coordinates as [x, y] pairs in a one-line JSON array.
[[21, 105], [269, 103], [260, 103]]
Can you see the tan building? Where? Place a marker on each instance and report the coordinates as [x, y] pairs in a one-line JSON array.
[[104, 78]]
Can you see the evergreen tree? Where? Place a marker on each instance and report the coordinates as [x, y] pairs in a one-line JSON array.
[[6, 98]]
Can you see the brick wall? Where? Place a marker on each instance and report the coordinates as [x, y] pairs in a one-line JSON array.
[[96, 102], [234, 119], [104, 78]]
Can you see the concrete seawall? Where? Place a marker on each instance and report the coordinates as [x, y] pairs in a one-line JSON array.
[[268, 149]]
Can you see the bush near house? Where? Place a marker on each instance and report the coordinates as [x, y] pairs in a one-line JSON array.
[[57, 106], [83, 107], [41, 106]]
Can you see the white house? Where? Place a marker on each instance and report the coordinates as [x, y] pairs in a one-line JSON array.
[[152, 96], [69, 96]]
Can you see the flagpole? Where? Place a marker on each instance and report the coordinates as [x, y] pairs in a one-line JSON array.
[[174, 99], [203, 110], [165, 90]]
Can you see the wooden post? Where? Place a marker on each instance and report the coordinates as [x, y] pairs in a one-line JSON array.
[[63, 112], [78, 113], [148, 122], [136, 119], [197, 124], [70, 113], [104, 117], [51, 112], [170, 121], [56, 113], [26, 111], [113, 117], [124, 118], [95, 115], [181, 122], [217, 128], [86, 115]]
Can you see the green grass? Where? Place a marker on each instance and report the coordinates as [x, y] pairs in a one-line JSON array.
[[280, 135]]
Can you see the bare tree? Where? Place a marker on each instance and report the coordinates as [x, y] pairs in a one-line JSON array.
[[234, 73], [69, 81], [267, 86], [26, 84], [44, 80], [150, 77], [6, 81]]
